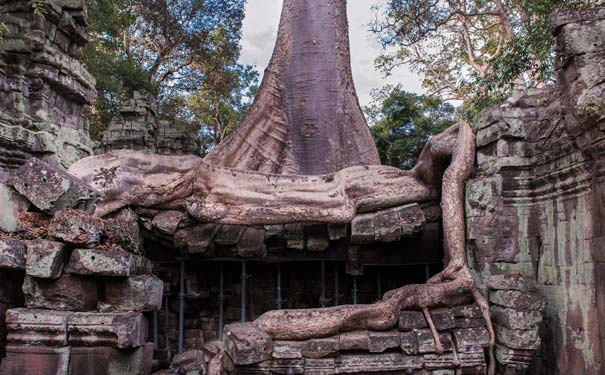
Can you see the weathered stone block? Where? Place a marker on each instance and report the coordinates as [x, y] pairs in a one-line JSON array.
[[69, 292], [245, 344], [191, 360], [76, 227], [12, 254], [467, 311], [409, 344], [516, 319], [288, 366], [252, 243], [123, 229], [35, 360], [426, 342], [167, 222], [386, 226], [109, 361], [320, 366], [516, 300], [136, 293], [320, 348], [354, 340], [199, 239], [51, 189], [409, 319], [229, 235], [517, 338], [511, 281], [362, 229], [471, 339], [48, 327], [378, 342], [443, 319], [287, 349], [295, 237], [103, 262], [337, 231], [369, 363], [45, 259]]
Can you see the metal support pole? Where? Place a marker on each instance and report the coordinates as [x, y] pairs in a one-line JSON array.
[[355, 290], [182, 308], [221, 303], [379, 285], [427, 272], [244, 278], [166, 323], [336, 296], [156, 341], [278, 300], [322, 298]]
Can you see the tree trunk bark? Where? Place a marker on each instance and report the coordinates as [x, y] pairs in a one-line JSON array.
[[306, 118]]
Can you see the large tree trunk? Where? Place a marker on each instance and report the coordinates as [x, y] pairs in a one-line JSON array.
[[306, 118]]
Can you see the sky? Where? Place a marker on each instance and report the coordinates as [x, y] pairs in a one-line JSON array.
[[260, 31]]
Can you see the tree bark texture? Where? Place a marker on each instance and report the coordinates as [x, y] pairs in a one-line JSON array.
[[306, 118]]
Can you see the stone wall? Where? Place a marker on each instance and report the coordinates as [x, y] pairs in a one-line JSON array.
[[137, 127], [44, 91], [535, 204]]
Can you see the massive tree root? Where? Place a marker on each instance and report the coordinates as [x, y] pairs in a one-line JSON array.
[[452, 286], [229, 196]]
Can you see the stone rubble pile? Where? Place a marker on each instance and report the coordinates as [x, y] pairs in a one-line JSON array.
[[87, 288]]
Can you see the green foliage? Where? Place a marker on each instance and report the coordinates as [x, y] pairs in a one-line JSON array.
[[471, 50], [175, 49], [402, 122]]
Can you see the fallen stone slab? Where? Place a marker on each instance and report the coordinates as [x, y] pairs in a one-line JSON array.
[[103, 262], [60, 328], [12, 254], [45, 259], [76, 227], [136, 293], [12, 204], [51, 189], [245, 344], [68, 292], [123, 229]]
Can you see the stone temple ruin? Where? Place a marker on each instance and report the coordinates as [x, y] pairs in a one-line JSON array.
[[288, 249]]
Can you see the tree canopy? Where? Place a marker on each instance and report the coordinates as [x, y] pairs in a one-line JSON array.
[[473, 50], [175, 49], [403, 122]]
